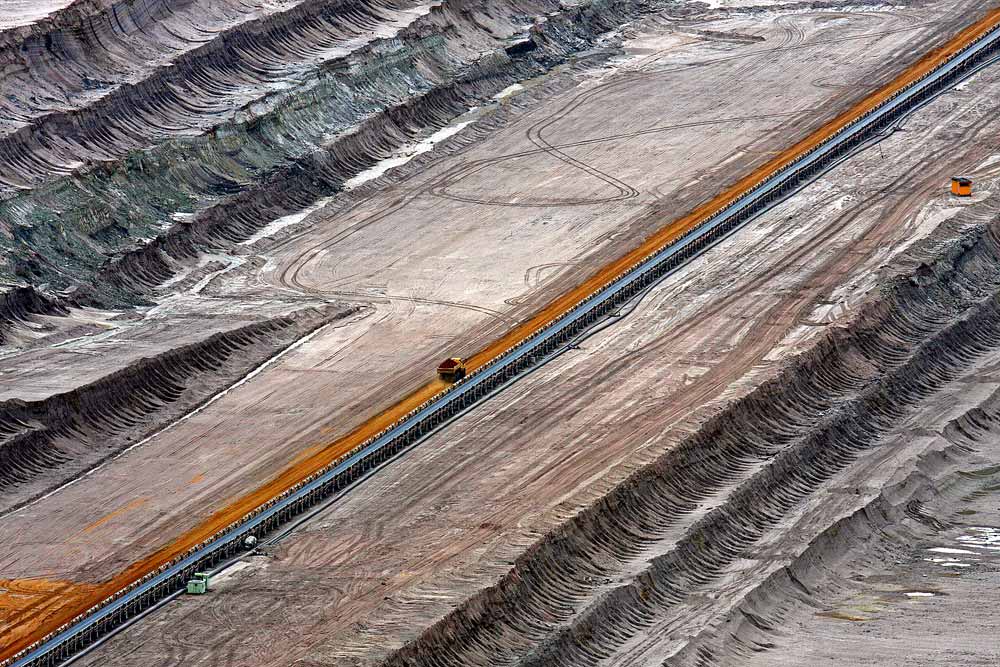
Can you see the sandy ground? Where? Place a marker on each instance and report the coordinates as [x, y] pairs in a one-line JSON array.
[[450, 517], [98, 338], [933, 601], [16, 13]]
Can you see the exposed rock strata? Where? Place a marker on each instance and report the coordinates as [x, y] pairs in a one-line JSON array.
[[168, 143], [19, 306]]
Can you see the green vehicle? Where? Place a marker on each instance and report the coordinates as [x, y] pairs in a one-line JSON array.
[[199, 584]]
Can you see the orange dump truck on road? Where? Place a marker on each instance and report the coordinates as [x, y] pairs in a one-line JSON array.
[[452, 369]]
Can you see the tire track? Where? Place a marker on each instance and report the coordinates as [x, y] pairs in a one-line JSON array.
[[536, 132]]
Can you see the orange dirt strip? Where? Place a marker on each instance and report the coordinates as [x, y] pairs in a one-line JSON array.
[[320, 455]]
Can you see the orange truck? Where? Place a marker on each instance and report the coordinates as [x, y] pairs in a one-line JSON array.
[[452, 369], [961, 186]]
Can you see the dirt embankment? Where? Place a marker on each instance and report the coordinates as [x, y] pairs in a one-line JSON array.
[[862, 567], [633, 563], [19, 306], [45, 443], [98, 56], [74, 16], [445, 88]]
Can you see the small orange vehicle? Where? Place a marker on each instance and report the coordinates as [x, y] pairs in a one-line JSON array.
[[452, 369], [961, 187]]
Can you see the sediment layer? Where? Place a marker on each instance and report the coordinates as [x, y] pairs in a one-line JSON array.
[[19, 306], [169, 144]]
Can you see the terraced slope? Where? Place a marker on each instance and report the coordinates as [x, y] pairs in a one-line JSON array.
[[174, 231], [402, 553], [195, 125], [609, 586]]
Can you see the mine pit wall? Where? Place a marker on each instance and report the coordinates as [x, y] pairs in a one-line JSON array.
[[323, 172], [760, 459], [957, 469], [20, 306], [240, 174], [74, 17], [46, 443], [883, 529], [245, 172], [293, 188], [115, 56]]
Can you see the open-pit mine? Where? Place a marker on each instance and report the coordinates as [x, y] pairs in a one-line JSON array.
[[502, 333]]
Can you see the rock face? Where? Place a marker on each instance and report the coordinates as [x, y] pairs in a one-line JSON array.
[[185, 127]]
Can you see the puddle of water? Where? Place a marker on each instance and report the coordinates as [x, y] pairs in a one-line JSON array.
[[977, 539], [982, 537], [919, 594], [948, 562]]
